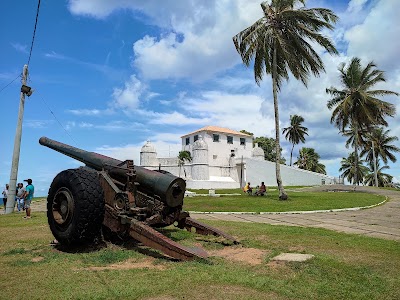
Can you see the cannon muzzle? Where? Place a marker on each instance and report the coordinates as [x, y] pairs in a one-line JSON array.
[[168, 188]]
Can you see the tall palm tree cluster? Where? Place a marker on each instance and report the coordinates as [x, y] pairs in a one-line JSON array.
[[360, 115], [376, 147], [281, 42]]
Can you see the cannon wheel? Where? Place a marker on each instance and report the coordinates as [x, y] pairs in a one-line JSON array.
[[75, 206]]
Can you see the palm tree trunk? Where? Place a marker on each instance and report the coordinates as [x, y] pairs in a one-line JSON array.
[[282, 194], [356, 155], [291, 155]]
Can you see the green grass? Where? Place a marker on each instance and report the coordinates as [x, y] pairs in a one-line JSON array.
[[298, 201], [237, 191], [345, 266]]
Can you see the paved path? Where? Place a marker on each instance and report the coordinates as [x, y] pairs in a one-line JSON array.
[[382, 221]]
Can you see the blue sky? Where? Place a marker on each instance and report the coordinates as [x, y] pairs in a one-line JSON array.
[[109, 75]]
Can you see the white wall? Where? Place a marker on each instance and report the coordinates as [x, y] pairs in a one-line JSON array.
[[257, 171], [207, 184]]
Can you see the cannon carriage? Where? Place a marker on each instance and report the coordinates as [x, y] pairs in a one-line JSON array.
[[123, 199]]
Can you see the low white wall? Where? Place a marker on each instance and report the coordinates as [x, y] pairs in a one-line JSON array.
[[207, 184], [257, 171]]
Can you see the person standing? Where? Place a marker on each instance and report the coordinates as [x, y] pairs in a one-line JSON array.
[[20, 196], [28, 195], [5, 195]]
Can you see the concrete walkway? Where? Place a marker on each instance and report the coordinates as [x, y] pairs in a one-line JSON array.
[[382, 221]]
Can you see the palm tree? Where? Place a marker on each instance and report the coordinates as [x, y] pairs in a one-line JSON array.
[[384, 179], [279, 43], [309, 160], [383, 146], [356, 105], [351, 132], [183, 157], [349, 169], [295, 132]]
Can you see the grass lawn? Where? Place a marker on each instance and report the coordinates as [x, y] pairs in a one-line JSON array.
[[239, 191], [344, 267], [298, 201]]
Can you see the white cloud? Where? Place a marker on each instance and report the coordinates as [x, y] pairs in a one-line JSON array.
[[132, 151], [113, 74], [37, 123], [199, 39], [55, 55], [19, 47], [91, 112], [377, 38], [109, 126], [355, 6], [70, 125], [174, 118], [236, 111], [121, 152], [129, 96]]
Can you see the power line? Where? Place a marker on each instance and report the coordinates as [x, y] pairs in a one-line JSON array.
[[66, 131], [34, 32], [9, 83]]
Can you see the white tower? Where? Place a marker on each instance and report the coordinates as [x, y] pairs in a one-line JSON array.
[[257, 153], [148, 156], [200, 167]]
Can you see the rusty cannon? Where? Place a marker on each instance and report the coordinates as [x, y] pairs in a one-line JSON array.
[[123, 199]]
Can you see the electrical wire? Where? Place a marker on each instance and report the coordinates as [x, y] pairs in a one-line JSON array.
[[34, 32], [4, 87], [58, 121]]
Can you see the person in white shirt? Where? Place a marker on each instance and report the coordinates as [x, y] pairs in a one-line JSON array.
[[5, 195]]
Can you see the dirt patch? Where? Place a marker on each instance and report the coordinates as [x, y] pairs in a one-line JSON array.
[[250, 256], [37, 259], [127, 265]]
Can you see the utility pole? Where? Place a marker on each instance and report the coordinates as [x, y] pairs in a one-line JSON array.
[[25, 90], [375, 172]]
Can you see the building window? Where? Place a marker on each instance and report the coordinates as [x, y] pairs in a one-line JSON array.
[[215, 156], [187, 140], [215, 137], [230, 139], [242, 141], [196, 137]]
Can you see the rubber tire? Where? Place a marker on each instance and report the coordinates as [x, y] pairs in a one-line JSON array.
[[87, 200]]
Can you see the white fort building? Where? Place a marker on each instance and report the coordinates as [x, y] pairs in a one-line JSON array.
[[225, 158]]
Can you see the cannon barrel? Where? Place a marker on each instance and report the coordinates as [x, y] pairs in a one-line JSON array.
[[169, 188]]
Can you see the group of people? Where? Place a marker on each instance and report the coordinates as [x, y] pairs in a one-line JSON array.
[[23, 197], [261, 190]]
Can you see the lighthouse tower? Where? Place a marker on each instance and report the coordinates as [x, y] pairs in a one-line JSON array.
[[200, 167]]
